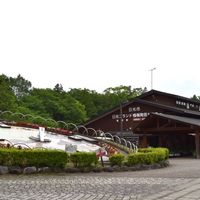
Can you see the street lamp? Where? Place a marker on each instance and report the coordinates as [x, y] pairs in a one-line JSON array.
[[151, 70]]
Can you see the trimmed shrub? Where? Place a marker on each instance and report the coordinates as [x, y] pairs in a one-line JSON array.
[[160, 150], [34, 157], [116, 159], [148, 156], [83, 159]]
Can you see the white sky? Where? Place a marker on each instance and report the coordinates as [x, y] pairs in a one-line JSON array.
[[100, 44]]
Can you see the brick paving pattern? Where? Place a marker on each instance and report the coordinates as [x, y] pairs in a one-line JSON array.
[[179, 181]]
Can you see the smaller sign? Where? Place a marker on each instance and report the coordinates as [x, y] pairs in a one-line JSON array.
[[101, 152], [70, 148]]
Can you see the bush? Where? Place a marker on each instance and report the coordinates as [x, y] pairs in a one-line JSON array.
[[116, 159], [148, 156], [163, 151], [34, 157], [83, 159]]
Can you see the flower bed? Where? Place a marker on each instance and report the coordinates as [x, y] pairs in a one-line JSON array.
[[36, 126], [35, 161]]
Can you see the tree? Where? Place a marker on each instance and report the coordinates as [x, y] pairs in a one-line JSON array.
[[87, 98], [58, 88], [7, 97], [75, 106], [197, 98], [20, 86], [122, 93], [97, 103], [49, 103]]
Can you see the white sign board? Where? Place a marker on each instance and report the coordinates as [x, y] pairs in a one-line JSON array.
[[70, 148], [41, 133]]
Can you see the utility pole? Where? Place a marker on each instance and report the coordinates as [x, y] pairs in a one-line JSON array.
[[151, 70]]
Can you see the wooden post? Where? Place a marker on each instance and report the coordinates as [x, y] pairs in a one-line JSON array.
[[197, 140], [143, 141]]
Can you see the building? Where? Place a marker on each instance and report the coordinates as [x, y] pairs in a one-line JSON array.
[[159, 119]]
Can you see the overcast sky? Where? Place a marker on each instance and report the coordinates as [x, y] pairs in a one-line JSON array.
[[100, 44]]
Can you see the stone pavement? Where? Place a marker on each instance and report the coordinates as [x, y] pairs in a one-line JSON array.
[[179, 181]]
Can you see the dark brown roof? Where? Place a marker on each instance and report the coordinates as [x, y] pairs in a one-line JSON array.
[[169, 108], [151, 92], [187, 120], [140, 99]]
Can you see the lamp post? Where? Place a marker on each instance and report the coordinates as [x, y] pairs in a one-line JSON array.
[[151, 70]]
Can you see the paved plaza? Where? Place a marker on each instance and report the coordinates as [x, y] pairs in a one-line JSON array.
[[179, 181]]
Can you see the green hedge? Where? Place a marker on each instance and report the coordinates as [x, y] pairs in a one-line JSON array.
[[163, 151], [116, 159], [83, 159], [34, 157], [148, 156]]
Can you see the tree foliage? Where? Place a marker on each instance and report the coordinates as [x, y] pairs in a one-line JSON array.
[[195, 97], [76, 105], [7, 97], [20, 86]]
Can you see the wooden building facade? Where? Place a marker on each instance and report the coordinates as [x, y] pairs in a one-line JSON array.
[[159, 119]]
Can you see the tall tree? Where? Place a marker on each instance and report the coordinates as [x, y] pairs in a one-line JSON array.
[[58, 88], [52, 104], [87, 98], [7, 97], [20, 86]]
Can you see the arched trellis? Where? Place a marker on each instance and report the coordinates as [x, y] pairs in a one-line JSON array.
[[20, 145], [29, 115], [119, 140], [135, 147], [85, 129], [5, 140], [18, 113], [62, 122], [125, 142], [109, 134], [130, 145], [101, 134], [39, 117], [92, 129], [52, 120], [74, 125], [7, 111]]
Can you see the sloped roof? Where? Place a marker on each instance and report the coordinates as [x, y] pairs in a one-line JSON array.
[[170, 108], [151, 92], [140, 99], [187, 120]]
